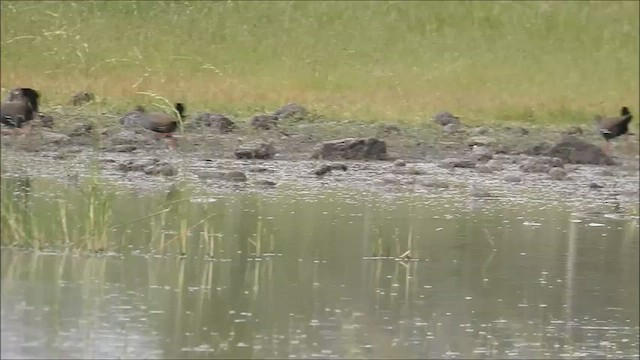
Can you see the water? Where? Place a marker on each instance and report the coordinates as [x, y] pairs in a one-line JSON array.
[[489, 278]]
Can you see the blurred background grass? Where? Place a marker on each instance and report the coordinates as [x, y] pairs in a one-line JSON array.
[[538, 62]]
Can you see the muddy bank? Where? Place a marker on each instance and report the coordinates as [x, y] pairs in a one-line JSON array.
[[478, 162]]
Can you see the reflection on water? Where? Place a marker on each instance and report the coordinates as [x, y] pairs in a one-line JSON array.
[[301, 275]]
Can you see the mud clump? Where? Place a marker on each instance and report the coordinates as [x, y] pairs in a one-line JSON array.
[[261, 151], [457, 163], [480, 141], [484, 169], [124, 148], [50, 137], [264, 122], [512, 178], [161, 168], [128, 137], [481, 154], [540, 164], [291, 111], [539, 148], [81, 98], [399, 163], [235, 175], [81, 129], [132, 118], [265, 183], [45, 121], [218, 122], [150, 166], [352, 149], [436, 184], [445, 118], [574, 150], [327, 168], [557, 173]]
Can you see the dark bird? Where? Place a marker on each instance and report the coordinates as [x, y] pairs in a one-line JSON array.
[[163, 124], [612, 127], [20, 107]]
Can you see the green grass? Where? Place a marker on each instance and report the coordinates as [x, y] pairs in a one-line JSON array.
[[539, 62]]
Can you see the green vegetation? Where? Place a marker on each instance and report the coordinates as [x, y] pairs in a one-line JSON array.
[[540, 62]]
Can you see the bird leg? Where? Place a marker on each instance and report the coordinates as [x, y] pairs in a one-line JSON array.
[[25, 129], [607, 148], [173, 143], [627, 144]]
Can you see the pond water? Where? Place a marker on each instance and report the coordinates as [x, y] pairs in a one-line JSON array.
[[328, 274]]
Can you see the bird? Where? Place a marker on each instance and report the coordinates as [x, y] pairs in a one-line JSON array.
[[163, 124], [612, 127], [19, 108]]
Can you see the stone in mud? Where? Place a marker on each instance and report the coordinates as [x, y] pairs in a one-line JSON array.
[[137, 164], [258, 169], [63, 156], [519, 131], [390, 179], [261, 151], [161, 168], [451, 128], [390, 129], [207, 175], [574, 150], [322, 170], [352, 149], [495, 164], [557, 173], [481, 154], [605, 173], [235, 175], [264, 183], [399, 162], [573, 130], [457, 163], [503, 148], [480, 141], [595, 186], [128, 137], [445, 118], [480, 131], [327, 168], [46, 121], [514, 178], [132, 119], [438, 184], [571, 167], [122, 148], [81, 129], [540, 148], [477, 191], [291, 111], [540, 164], [264, 122], [484, 169], [414, 171], [82, 97], [509, 159], [218, 122], [50, 137]]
